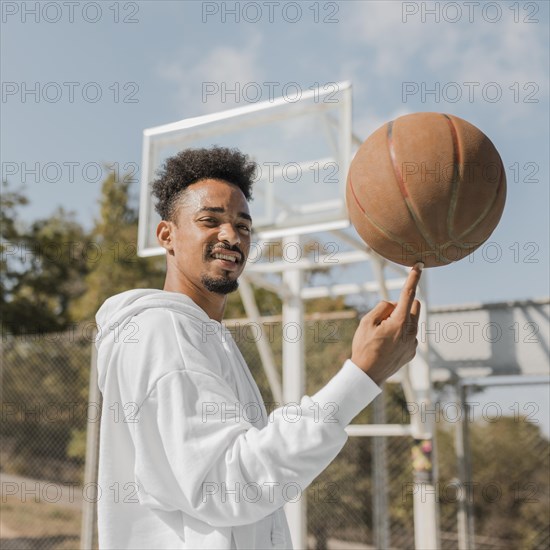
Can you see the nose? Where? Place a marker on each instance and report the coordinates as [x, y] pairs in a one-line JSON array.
[[229, 234]]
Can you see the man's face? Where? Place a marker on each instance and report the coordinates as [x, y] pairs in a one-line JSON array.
[[212, 238]]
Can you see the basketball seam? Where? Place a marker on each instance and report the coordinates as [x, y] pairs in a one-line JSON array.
[[383, 230], [401, 185], [455, 188], [457, 162], [394, 238], [487, 210]]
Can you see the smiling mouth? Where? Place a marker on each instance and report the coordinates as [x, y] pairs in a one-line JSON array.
[[226, 257]]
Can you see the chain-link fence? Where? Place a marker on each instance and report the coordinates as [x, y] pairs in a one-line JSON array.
[[506, 495], [501, 494], [45, 412]]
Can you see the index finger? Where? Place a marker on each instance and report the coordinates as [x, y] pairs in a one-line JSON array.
[[408, 292]]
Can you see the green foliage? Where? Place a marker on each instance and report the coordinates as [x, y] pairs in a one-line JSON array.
[[9, 238], [41, 272], [112, 264]]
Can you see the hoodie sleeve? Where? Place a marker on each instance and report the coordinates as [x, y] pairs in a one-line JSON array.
[[196, 451]]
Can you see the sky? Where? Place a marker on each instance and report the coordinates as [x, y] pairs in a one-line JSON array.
[[80, 83]]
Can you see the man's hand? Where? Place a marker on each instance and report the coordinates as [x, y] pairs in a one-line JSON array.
[[385, 339]]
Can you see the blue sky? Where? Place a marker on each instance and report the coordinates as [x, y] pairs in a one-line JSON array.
[[150, 70]]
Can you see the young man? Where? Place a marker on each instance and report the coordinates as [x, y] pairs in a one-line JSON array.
[[188, 455]]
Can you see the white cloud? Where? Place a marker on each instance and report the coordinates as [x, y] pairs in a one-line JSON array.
[[208, 78], [504, 52]]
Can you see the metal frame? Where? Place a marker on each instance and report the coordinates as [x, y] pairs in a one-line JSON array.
[[264, 113]]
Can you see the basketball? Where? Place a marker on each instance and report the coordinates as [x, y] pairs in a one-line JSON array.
[[426, 187]]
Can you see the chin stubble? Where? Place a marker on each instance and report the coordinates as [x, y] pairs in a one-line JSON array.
[[220, 286]]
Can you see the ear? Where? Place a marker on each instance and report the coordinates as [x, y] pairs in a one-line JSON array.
[[164, 235]]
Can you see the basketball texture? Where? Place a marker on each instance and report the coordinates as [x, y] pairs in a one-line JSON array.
[[426, 187]]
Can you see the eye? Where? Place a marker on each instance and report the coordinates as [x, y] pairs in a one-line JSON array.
[[246, 228]]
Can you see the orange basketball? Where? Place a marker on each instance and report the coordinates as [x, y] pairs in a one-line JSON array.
[[426, 187]]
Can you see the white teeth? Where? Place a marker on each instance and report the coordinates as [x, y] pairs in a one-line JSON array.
[[224, 257]]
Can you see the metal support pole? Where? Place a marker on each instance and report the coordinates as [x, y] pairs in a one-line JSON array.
[[266, 355], [425, 500], [380, 478], [379, 444], [465, 516], [294, 378], [92, 449]]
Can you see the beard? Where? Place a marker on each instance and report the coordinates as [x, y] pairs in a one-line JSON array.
[[219, 286]]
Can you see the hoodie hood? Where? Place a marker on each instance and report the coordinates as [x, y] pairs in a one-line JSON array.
[[118, 310]]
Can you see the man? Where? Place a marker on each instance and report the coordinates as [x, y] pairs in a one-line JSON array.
[[188, 455]]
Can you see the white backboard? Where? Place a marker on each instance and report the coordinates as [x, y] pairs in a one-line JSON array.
[[301, 143]]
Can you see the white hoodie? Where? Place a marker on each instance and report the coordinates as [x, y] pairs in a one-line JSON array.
[[188, 456]]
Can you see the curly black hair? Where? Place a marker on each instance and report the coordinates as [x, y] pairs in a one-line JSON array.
[[192, 165]]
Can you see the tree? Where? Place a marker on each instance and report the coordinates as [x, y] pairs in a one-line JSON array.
[[10, 232], [41, 273], [111, 252]]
